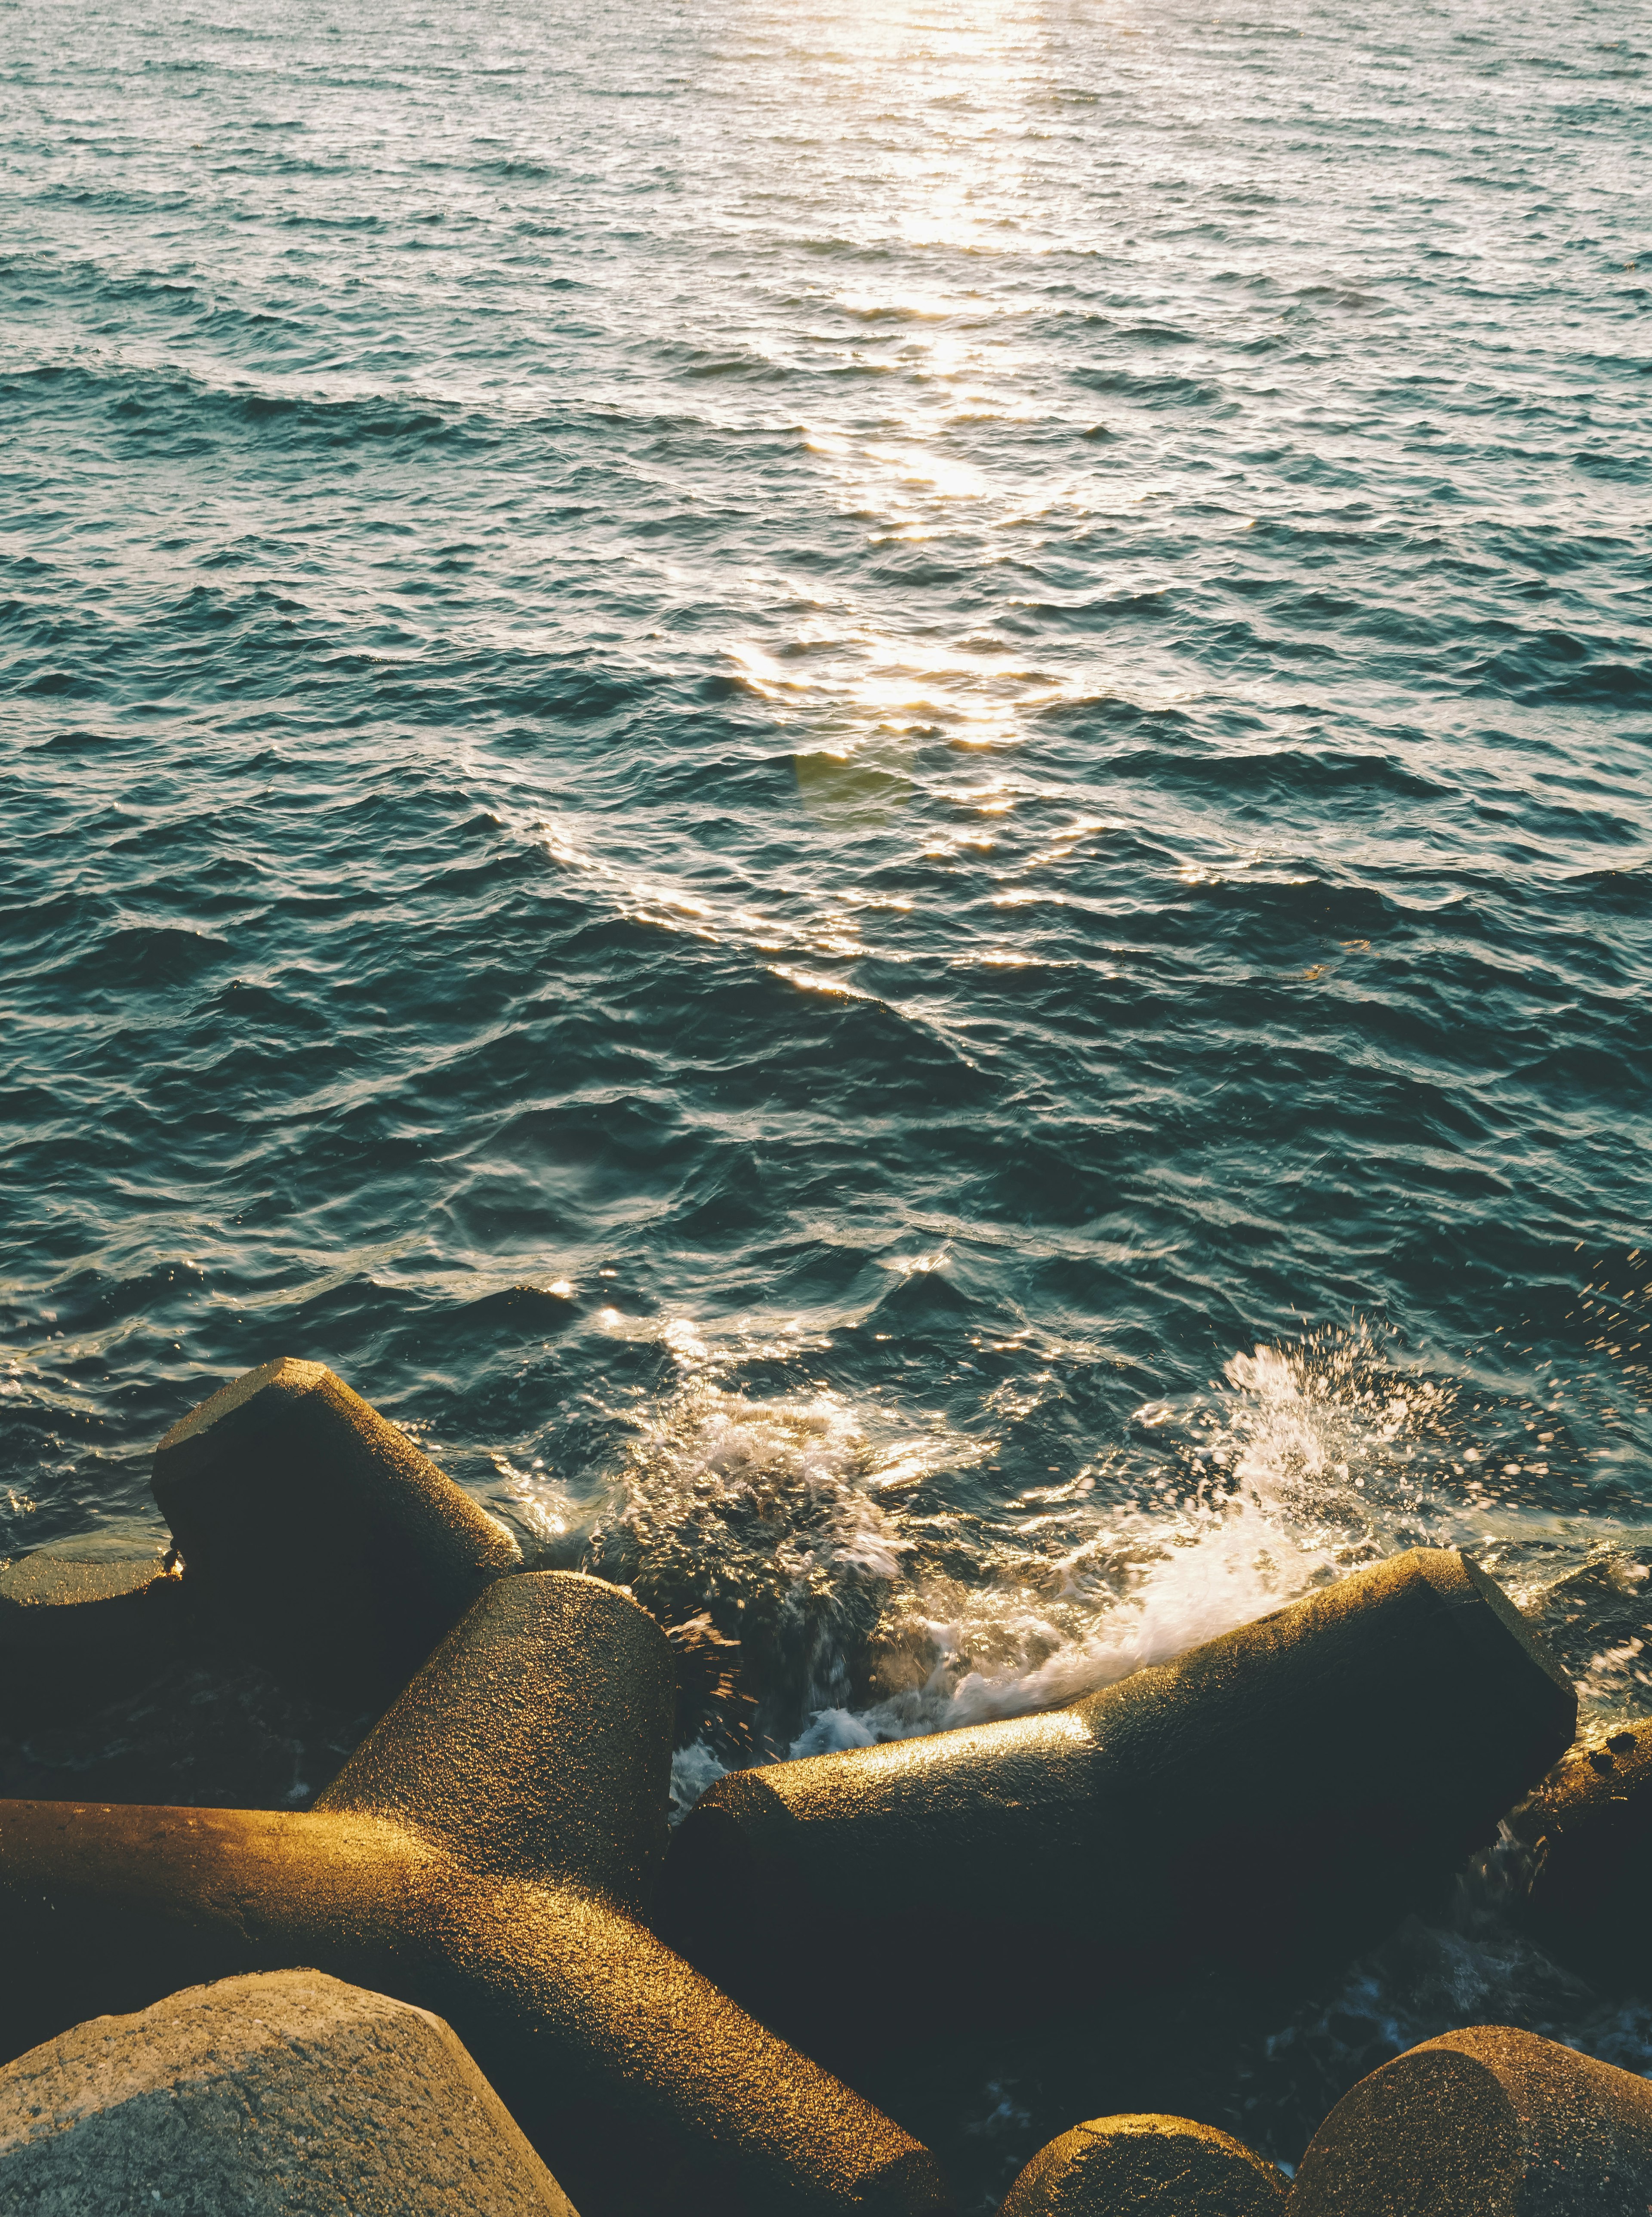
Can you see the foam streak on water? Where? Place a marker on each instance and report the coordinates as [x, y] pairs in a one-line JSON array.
[[863, 787]]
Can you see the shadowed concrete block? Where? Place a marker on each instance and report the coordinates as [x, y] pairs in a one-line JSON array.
[[484, 1855], [1488, 2122], [323, 1543], [1146, 2167], [75, 1628], [1274, 1796], [267, 2097], [1589, 1827]]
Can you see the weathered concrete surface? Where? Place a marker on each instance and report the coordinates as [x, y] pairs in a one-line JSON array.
[[75, 1625], [1141, 2166], [1589, 1827], [58, 1603], [81, 1630], [1489, 2122], [461, 1863], [1276, 1796], [269, 2096], [536, 1741], [321, 1541]]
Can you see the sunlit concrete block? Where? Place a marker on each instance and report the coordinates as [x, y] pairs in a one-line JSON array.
[[486, 1854], [275, 2095], [535, 1743], [1490, 2122], [321, 1541], [1271, 1799], [1143, 2166]]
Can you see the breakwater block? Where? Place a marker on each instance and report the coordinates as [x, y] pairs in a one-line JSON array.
[[535, 1742], [1589, 1827], [487, 1854], [1273, 1800], [1491, 2122], [322, 1543], [269, 2097], [1146, 2167], [73, 1626]]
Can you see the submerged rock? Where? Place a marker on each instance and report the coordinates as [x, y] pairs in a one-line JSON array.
[[266, 2097]]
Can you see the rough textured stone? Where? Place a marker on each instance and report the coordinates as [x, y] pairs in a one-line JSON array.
[[77, 1628], [557, 1682], [1320, 1767], [321, 1541], [60, 1606], [264, 2097], [1146, 2167], [1589, 1827], [482, 1855], [1489, 2122]]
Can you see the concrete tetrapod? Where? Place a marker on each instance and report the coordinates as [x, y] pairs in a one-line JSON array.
[[1146, 2167], [359, 2107], [1488, 2122], [323, 1544], [1277, 1793], [487, 1853], [72, 1625], [1589, 1827]]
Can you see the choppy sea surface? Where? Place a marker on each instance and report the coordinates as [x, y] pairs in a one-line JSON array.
[[866, 790]]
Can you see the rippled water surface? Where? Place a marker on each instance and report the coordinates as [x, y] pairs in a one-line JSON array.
[[865, 789]]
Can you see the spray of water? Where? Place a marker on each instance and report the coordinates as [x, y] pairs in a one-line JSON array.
[[836, 1575], [1295, 1469], [838, 1569]]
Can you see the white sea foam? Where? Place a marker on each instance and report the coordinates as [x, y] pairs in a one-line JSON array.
[[887, 1581], [1298, 1470], [693, 1770], [886, 1610]]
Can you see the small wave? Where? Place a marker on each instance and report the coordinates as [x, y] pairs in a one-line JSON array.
[[1305, 770], [1163, 390], [1337, 296], [147, 955], [155, 404]]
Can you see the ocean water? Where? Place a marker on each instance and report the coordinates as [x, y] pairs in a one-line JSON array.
[[865, 790]]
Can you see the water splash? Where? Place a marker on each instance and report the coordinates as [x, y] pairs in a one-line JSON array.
[[778, 1521], [877, 1593], [1302, 1468]]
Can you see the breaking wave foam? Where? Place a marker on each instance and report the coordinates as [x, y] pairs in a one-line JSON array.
[[851, 1582]]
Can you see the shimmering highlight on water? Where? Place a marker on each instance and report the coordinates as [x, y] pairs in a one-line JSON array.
[[864, 790]]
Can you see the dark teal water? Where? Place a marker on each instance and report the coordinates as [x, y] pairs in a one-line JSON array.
[[864, 790]]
